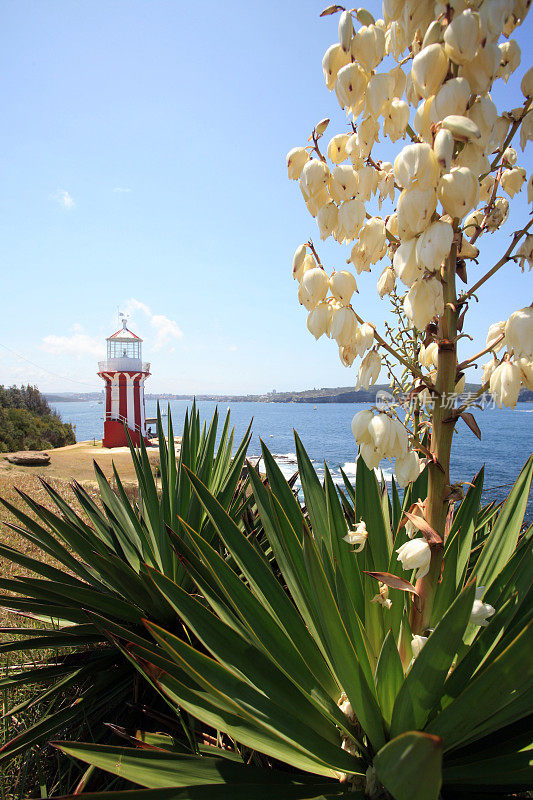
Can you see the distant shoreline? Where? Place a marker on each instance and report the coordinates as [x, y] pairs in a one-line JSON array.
[[314, 396]]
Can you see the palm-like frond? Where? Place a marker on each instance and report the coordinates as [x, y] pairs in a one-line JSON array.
[[311, 672], [103, 554]]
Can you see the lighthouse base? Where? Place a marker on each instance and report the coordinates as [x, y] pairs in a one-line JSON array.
[[115, 435]]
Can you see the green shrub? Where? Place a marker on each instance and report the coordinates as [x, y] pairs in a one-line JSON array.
[[308, 687]]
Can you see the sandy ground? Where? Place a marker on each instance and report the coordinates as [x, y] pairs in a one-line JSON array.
[[76, 462]]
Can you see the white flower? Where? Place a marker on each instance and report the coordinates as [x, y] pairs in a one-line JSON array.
[[474, 158], [526, 130], [488, 368], [399, 78], [350, 220], [373, 239], [383, 597], [386, 182], [494, 332], [411, 528], [423, 301], [461, 37], [527, 83], [346, 707], [407, 468], [526, 370], [433, 245], [510, 59], [347, 354], [298, 262], [386, 282], [481, 70], [334, 59], [519, 332], [345, 30], [452, 98], [486, 187], [416, 164], [505, 384], [360, 426], [315, 282], [480, 610], [484, 113], [415, 554], [509, 157], [358, 536], [314, 177], [368, 181], [304, 299], [443, 147], [512, 180], [380, 428], [415, 209], [498, 214], [327, 219], [370, 455], [296, 159], [343, 182], [378, 95], [473, 222], [398, 442], [368, 46], [365, 337], [368, 371], [429, 69], [350, 88], [337, 148], [343, 325], [395, 118], [315, 203], [319, 319], [405, 262], [342, 285], [428, 355], [525, 251], [367, 135], [417, 644], [458, 191]]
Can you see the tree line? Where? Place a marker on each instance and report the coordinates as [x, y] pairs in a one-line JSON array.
[[28, 423]]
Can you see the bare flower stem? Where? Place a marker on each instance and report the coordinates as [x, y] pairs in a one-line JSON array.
[[503, 260], [381, 341], [441, 444]]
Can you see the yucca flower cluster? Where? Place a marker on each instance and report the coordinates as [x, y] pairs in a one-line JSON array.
[[422, 73]]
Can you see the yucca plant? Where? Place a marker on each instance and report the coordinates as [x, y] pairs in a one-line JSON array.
[[312, 686], [102, 555]]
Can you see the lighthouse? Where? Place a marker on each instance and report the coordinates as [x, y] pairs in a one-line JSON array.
[[124, 374]]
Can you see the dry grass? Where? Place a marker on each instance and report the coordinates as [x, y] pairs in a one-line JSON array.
[[76, 461], [24, 776]]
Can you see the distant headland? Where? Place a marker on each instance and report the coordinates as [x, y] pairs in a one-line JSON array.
[[339, 394]]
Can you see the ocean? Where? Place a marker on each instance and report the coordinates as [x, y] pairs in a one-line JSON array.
[[506, 440]]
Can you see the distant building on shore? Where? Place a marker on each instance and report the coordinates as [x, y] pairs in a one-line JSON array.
[[124, 374]]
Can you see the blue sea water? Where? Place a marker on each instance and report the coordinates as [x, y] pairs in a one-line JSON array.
[[506, 442]]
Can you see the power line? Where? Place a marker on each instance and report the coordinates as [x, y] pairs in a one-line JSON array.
[[43, 369]]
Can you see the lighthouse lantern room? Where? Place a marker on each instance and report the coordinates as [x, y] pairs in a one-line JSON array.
[[124, 374]]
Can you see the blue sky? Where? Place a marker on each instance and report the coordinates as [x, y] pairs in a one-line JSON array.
[[142, 158]]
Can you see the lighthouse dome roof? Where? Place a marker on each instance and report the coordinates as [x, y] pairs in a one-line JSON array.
[[124, 334]]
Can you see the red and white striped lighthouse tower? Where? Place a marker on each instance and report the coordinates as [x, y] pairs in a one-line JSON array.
[[124, 374]]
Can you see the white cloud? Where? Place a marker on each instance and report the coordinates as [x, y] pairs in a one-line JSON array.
[[78, 345], [64, 199], [165, 329], [121, 189]]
